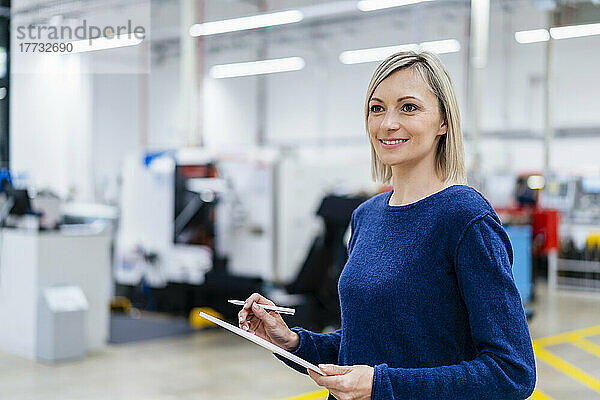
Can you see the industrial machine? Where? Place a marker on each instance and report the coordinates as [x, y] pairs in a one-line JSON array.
[[564, 214], [198, 228], [533, 232], [578, 199]]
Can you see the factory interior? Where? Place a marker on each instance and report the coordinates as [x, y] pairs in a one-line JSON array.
[[159, 158]]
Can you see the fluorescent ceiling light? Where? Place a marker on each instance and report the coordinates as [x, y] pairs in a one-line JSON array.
[[532, 36], [441, 46], [103, 43], [562, 32], [243, 23], [374, 54], [381, 53], [371, 5], [257, 67], [573, 31]]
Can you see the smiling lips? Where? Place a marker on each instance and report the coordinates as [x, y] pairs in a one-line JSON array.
[[391, 143]]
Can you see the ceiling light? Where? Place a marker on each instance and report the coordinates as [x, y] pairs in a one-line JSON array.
[[532, 36], [257, 67], [244, 23], [103, 43], [441, 46], [371, 5], [573, 31], [374, 54], [381, 53]]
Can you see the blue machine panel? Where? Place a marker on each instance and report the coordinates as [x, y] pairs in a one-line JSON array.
[[520, 238]]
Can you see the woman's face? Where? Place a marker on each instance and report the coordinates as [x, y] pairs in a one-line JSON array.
[[404, 120]]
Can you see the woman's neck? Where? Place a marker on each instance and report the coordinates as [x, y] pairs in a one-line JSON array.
[[415, 182]]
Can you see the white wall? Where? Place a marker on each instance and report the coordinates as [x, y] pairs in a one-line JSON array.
[[70, 125], [50, 126], [229, 112], [115, 129]]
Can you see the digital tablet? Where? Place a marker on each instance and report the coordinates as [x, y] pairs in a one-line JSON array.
[[262, 342]]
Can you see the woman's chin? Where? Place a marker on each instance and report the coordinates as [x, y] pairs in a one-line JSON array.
[[390, 162]]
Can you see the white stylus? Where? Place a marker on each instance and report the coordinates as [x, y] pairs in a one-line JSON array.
[[281, 310]]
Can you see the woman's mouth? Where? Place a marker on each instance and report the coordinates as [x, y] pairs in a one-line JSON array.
[[392, 143]]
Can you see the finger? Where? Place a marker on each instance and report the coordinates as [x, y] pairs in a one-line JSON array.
[[242, 314], [247, 308], [246, 311], [315, 376], [244, 318], [253, 323], [247, 320], [256, 297], [333, 381], [264, 316], [331, 369]]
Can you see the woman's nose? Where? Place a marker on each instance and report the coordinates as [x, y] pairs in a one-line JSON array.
[[390, 123]]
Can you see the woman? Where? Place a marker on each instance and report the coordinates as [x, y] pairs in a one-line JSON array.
[[428, 302]]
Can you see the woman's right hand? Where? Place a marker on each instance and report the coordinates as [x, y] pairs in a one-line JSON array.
[[267, 324]]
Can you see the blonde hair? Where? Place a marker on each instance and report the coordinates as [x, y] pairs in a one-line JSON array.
[[449, 157]]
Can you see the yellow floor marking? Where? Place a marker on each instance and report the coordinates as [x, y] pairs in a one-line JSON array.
[[586, 345], [574, 337], [567, 336], [317, 395], [539, 395], [566, 368]]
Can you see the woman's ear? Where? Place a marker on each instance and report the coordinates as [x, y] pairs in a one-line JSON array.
[[443, 129]]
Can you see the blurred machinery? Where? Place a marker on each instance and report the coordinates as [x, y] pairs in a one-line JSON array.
[[578, 199], [44, 257], [533, 231], [166, 235], [16, 202], [320, 272], [564, 215], [198, 228]]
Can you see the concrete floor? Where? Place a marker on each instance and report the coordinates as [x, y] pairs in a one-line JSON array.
[[216, 364]]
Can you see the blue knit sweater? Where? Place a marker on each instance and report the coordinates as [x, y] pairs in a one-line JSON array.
[[428, 299]]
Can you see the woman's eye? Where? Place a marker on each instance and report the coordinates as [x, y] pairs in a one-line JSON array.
[[376, 108], [409, 107]]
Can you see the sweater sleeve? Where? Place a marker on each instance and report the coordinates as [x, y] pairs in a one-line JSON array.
[[504, 367], [316, 348]]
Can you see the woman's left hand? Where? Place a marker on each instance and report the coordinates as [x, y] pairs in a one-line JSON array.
[[346, 382]]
